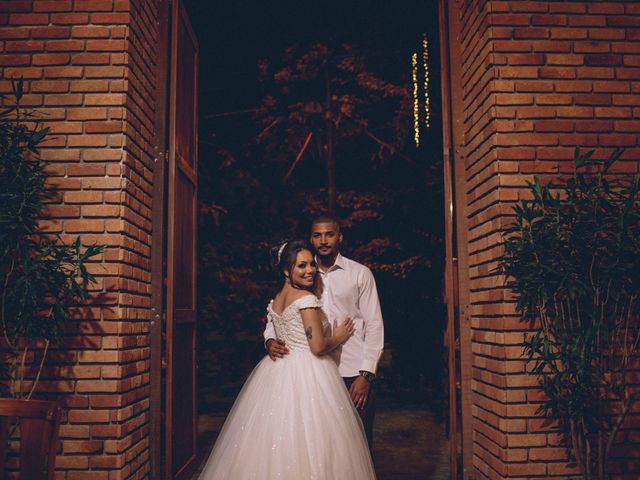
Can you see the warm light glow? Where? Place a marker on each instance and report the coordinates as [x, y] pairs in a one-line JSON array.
[[416, 103], [425, 64]]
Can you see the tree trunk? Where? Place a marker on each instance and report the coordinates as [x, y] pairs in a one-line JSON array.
[[328, 147], [331, 171]]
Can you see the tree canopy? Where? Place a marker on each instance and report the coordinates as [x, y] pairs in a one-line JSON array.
[[264, 177]]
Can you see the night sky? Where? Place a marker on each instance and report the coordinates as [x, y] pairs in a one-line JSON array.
[[234, 35]]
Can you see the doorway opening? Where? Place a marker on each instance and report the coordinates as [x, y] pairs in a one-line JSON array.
[[263, 174]]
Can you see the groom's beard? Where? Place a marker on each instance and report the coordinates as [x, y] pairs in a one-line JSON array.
[[328, 256]]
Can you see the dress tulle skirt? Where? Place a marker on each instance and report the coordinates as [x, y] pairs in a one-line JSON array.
[[293, 420]]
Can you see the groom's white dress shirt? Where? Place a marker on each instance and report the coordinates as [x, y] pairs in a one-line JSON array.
[[350, 291]]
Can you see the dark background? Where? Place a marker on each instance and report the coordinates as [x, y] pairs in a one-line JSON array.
[[392, 208]]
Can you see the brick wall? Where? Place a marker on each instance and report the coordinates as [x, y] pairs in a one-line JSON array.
[[89, 69], [539, 78]]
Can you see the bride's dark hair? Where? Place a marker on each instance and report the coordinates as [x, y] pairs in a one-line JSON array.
[[284, 258]]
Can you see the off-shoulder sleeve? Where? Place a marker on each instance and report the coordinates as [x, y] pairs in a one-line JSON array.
[[309, 301]]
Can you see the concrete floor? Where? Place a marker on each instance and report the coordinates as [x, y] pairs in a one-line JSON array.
[[408, 445]]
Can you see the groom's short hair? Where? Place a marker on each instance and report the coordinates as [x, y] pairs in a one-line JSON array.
[[326, 219]]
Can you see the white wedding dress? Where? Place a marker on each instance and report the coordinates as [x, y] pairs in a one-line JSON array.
[[293, 418]]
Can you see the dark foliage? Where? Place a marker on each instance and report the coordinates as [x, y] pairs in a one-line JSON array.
[[389, 200], [41, 278], [572, 258]]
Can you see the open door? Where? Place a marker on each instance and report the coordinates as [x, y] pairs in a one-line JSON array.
[[451, 338], [182, 184], [458, 333]]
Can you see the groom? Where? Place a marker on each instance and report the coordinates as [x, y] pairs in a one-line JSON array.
[[349, 291]]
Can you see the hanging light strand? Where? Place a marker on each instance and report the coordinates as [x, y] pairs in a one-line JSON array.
[[425, 64], [416, 102]]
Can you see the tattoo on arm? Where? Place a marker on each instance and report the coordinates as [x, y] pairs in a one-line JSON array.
[[308, 332]]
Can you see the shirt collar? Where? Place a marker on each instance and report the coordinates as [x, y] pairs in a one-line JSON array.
[[339, 263]]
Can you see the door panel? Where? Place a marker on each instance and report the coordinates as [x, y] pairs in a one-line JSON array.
[[184, 287], [452, 333], [180, 401]]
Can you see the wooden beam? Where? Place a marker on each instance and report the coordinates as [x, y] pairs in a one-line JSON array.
[[456, 238], [449, 232], [458, 161], [158, 241]]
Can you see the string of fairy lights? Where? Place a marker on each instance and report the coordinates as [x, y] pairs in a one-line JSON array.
[[416, 100], [416, 90], [425, 66]]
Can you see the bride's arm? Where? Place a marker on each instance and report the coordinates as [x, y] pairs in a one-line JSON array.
[[318, 343]]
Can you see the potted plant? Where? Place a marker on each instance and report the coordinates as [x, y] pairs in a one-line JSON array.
[[41, 278], [572, 261]]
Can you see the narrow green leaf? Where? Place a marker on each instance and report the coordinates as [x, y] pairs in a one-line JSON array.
[[615, 155], [18, 88]]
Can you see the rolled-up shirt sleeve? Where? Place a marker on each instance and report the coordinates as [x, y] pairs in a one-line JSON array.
[[369, 306]]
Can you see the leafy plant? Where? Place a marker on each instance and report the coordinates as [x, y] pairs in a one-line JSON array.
[[40, 277], [572, 259]]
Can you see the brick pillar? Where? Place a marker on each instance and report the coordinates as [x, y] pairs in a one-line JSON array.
[[89, 70], [539, 78]]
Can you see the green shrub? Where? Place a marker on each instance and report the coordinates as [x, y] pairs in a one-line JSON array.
[[572, 260], [40, 277]]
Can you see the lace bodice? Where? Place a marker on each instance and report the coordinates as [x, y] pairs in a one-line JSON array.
[[288, 324]]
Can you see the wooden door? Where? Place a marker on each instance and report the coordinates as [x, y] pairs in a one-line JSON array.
[[457, 256], [180, 398]]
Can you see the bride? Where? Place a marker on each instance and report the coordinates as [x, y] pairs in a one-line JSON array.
[[293, 418]]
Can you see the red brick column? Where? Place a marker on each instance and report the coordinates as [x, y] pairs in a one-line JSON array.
[[89, 69], [539, 79]]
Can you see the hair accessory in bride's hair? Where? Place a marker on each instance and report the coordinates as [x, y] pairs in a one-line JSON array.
[[281, 249]]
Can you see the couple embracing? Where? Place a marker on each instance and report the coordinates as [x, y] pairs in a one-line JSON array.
[[301, 412]]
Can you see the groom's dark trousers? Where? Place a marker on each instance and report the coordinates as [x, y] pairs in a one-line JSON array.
[[368, 412]]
